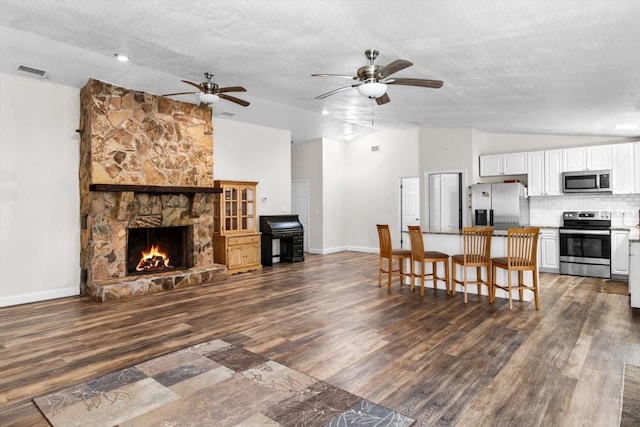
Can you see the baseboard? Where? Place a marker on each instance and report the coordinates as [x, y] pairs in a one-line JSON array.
[[6, 301], [342, 249]]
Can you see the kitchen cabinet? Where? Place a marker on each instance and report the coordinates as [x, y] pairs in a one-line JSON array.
[[586, 158], [549, 250], [236, 242], [619, 252], [622, 172], [545, 173], [503, 164]]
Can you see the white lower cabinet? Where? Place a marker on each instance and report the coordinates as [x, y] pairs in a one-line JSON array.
[[549, 250], [619, 252]]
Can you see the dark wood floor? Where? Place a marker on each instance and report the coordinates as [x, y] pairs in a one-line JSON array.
[[432, 358]]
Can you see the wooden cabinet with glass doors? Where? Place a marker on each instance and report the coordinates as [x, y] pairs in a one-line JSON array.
[[236, 242]]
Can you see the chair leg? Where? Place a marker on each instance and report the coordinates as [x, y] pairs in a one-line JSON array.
[[380, 266], [521, 284], [389, 276], [401, 267], [536, 294], [412, 274], [490, 284], [454, 278], [464, 282], [509, 289], [479, 280], [447, 277], [422, 274]]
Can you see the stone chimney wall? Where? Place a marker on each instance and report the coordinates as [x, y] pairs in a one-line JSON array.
[[134, 140]]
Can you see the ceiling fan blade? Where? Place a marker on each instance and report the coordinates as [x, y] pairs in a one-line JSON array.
[[179, 93], [231, 89], [394, 67], [435, 84], [383, 99], [340, 89], [234, 99], [343, 76], [196, 85]]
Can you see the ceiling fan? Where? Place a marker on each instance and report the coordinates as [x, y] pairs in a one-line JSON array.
[[210, 92], [372, 79]]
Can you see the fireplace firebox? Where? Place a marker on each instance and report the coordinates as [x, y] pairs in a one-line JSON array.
[[158, 249]]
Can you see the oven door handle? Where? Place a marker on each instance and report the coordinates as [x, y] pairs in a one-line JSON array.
[[598, 232]]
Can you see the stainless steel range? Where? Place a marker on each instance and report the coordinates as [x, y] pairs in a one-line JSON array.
[[585, 244]]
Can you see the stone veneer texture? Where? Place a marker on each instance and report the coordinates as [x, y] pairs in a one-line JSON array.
[[134, 138]]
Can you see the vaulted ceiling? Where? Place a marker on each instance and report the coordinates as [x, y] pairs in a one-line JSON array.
[[514, 66]]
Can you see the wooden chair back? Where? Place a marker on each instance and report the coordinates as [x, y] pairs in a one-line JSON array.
[[476, 244], [522, 248], [417, 244], [384, 236]]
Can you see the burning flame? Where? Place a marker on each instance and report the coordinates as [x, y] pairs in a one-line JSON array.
[[153, 259]]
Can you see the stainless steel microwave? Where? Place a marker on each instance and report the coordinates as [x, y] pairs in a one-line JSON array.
[[587, 181]]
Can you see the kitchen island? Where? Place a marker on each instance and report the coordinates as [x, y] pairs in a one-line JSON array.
[[449, 241]]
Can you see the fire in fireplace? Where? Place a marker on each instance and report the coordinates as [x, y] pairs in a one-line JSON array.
[[153, 250]]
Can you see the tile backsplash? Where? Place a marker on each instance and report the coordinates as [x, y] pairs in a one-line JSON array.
[[547, 211]]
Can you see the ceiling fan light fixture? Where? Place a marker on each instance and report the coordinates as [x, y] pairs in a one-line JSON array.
[[209, 98], [372, 89]]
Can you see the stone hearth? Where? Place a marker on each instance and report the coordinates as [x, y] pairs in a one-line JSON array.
[[145, 161]]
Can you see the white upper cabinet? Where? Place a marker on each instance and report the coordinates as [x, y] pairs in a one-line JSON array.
[[622, 168], [553, 172], [535, 175], [545, 173], [586, 158], [503, 164]]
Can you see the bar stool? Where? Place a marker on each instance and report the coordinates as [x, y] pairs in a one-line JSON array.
[[476, 248], [522, 247], [389, 254], [418, 254]]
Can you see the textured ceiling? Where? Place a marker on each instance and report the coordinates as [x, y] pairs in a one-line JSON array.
[[552, 67]]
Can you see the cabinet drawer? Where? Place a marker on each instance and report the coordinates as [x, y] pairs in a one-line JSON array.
[[241, 240]]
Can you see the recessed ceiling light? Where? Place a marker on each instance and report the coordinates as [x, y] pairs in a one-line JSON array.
[[121, 57], [349, 135], [626, 126], [325, 112]]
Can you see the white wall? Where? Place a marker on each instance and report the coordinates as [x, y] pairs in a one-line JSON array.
[[246, 152], [334, 169], [306, 163], [372, 187], [39, 199]]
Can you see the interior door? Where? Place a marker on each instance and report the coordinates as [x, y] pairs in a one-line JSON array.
[[409, 206], [300, 206]]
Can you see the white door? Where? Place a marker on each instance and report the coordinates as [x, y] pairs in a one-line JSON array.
[[409, 206], [300, 206]]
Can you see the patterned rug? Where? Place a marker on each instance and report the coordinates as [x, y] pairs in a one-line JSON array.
[[211, 384], [631, 397]]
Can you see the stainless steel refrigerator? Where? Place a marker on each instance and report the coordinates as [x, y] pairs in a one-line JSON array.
[[501, 205]]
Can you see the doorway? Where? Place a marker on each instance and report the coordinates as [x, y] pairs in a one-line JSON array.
[[409, 207], [445, 200]]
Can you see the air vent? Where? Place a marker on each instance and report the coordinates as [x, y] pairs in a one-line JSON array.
[[375, 148], [32, 71]]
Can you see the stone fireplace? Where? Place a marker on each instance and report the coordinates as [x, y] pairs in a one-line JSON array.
[[146, 184]]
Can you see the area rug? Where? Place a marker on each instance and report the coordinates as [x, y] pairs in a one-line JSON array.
[[631, 397], [211, 384]]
